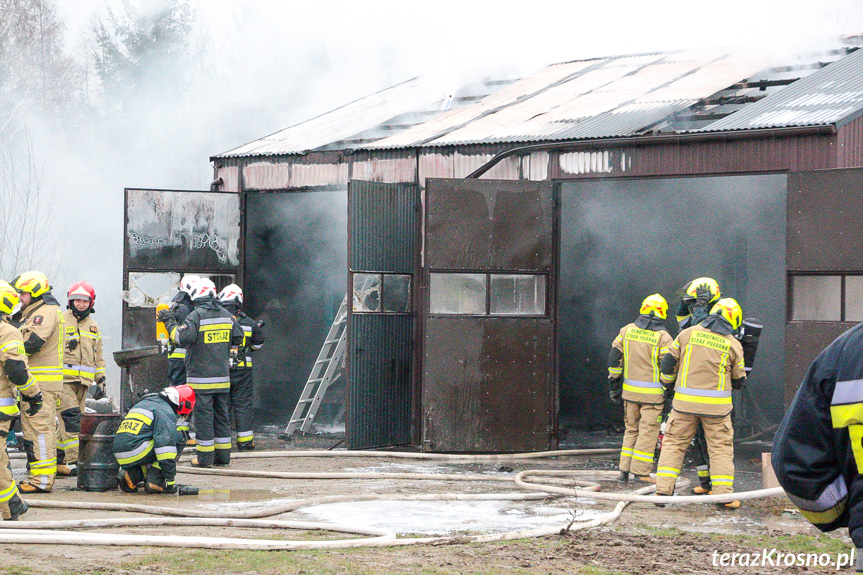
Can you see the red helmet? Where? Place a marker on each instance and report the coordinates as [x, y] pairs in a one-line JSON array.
[[82, 290], [182, 396]]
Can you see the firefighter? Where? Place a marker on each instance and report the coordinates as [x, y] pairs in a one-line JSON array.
[[818, 448], [208, 334], [703, 365], [83, 367], [633, 376], [182, 306], [148, 442], [42, 329], [231, 299], [699, 296], [15, 379]]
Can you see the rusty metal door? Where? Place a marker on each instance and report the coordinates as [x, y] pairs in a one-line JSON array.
[[169, 233], [489, 286], [383, 229]]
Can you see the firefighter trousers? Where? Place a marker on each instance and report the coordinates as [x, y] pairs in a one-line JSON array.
[[213, 428], [39, 440], [719, 435], [700, 458], [639, 439], [242, 404], [8, 488], [72, 402]]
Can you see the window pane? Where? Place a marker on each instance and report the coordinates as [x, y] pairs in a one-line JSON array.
[[853, 298], [367, 292], [458, 293], [816, 298], [397, 293], [520, 294]]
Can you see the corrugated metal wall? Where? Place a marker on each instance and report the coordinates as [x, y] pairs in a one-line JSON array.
[[383, 222], [850, 145]]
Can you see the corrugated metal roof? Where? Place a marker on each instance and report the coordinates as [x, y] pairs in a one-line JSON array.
[[610, 97], [832, 95]]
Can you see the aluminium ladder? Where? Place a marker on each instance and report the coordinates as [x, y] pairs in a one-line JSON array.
[[325, 371]]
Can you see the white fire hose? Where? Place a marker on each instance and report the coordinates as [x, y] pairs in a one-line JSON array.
[[50, 532]]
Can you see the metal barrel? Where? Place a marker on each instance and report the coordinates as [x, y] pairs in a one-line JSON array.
[[97, 467]]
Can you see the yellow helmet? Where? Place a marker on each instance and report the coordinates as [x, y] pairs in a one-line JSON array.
[[8, 298], [35, 283], [729, 309], [655, 304], [691, 287]]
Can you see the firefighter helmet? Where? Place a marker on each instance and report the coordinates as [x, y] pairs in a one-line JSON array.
[[692, 287], [730, 311], [204, 287], [35, 283], [81, 290], [187, 284], [655, 305], [8, 298], [231, 294], [182, 397]]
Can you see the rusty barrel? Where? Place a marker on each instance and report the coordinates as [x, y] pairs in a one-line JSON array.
[[97, 467]]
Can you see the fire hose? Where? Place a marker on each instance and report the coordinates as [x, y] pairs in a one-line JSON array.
[[551, 485]]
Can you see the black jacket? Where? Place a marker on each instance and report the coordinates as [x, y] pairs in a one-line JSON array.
[[253, 336], [151, 425], [817, 451]]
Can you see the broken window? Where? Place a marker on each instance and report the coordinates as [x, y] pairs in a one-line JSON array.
[[367, 292], [397, 293], [517, 294], [455, 293], [385, 293]]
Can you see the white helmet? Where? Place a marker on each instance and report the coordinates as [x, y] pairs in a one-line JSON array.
[[187, 284], [231, 294], [204, 287]]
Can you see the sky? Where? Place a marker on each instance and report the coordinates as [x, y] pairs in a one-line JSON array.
[[276, 63]]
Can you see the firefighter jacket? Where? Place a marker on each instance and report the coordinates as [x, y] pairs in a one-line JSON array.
[[182, 306], [14, 375], [634, 360], [253, 337], [704, 365], [150, 428], [43, 333], [82, 357], [208, 334], [818, 448]]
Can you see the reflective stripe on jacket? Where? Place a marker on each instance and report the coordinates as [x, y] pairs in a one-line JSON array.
[[639, 365], [84, 363]]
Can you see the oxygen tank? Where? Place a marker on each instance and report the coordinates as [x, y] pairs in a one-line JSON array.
[[161, 330], [750, 333]]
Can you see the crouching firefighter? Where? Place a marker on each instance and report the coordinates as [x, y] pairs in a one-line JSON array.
[[208, 334], [818, 448], [83, 368], [242, 384], [633, 375], [703, 365], [147, 444], [14, 379]]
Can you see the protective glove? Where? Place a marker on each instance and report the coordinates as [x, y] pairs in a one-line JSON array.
[[616, 396], [72, 344], [35, 402], [703, 295], [667, 392], [97, 391], [166, 316]]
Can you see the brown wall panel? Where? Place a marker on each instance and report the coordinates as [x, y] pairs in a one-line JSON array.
[[804, 340]]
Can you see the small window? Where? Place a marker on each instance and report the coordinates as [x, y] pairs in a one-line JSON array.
[[385, 293], [853, 298], [816, 298], [517, 294], [453, 293]]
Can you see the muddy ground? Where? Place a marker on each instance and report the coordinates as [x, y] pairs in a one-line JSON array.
[[646, 539]]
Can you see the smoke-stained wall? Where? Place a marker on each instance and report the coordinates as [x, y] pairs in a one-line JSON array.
[[296, 270], [622, 240]]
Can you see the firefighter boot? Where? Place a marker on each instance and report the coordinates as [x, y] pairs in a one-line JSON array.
[[27, 487], [646, 479], [17, 507], [130, 478], [623, 477], [250, 446], [67, 470]]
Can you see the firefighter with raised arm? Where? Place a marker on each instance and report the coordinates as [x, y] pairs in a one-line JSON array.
[[703, 365], [242, 384], [43, 335], [147, 442], [83, 368], [633, 376], [208, 334], [15, 379]]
